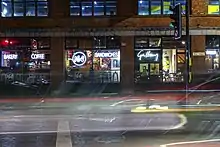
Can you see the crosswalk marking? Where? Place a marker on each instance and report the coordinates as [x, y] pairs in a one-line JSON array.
[[63, 135]]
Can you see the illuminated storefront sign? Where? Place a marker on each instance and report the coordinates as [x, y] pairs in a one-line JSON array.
[[106, 54], [10, 56], [79, 58], [211, 52], [146, 54], [38, 56]]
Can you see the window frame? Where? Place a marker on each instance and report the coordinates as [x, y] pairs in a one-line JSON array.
[[25, 6], [162, 5], [105, 7]]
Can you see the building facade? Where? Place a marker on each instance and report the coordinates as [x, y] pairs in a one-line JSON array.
[[107, 41]]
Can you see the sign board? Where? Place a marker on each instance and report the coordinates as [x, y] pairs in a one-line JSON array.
[[79, 58], [106, 54], [198, 53], [10, 56], [148, 55], [38, 56]]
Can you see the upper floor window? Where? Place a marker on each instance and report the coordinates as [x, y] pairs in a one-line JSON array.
[[213, 7], [158, 7], [21, 8], [93, 7]]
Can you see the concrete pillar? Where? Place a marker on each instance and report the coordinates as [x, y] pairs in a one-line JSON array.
[[127, 65], [198, 61], [57, 61], [129, 7], [199, 7], [59, 8]]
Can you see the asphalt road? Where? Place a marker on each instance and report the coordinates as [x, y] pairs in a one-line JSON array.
[[98, 124]]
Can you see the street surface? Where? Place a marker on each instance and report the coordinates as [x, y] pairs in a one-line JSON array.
[[99, 123]]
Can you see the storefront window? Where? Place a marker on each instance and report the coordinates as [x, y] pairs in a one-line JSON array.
[[172, 62], [25, 55], [212, 53], [154, 63], [158, 7], [93, 8], [96, 64], [213, 7]]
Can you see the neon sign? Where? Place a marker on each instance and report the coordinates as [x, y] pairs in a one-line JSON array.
[[148, 54], [106, 54], [10, 56], [38, 56], [79, 58]]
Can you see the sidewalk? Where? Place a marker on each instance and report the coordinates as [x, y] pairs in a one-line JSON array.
[[155, 96]]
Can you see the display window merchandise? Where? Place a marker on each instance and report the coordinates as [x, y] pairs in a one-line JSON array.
[[95, 65]]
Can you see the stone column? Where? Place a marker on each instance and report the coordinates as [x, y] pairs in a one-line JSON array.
[[127, 64], [198, 61], [59, 8], [57, 61], [129, 7]]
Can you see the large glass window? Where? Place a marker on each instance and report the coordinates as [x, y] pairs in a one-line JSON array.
[[212, 53], [159, 59], [157, 7], [213, 7], [93, 7], [99, 63], [21, 8]]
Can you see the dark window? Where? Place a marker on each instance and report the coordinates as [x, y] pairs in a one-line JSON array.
[[21, 8], [212, 41], [93, 7], [158, 7]]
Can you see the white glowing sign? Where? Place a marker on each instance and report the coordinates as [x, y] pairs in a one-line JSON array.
[[38, 56], [10, 56], [148, 54], [79, 58], [106, 54], [211, 52]]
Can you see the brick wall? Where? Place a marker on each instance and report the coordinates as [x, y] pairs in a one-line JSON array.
[[199, 7]]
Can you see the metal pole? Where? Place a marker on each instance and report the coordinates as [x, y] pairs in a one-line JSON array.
[[188, 49]]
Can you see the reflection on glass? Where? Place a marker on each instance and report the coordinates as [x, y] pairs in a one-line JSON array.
[[6, 8], [111, 8], [30, 8], [156, 7], [154, 42], [18, 9], [74, 8], [98, 8], [86, 8], [42, 9], [166, 6], [143, 7]]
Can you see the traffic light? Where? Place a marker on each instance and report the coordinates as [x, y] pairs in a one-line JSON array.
[[176, 23]]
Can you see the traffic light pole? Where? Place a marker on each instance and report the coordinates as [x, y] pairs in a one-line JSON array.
[[188, 50]]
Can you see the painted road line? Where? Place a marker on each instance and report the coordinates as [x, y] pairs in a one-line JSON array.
[[123, 101], [174, 110], [183, 121], [27, 132], [189, 142], [63, 135]]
